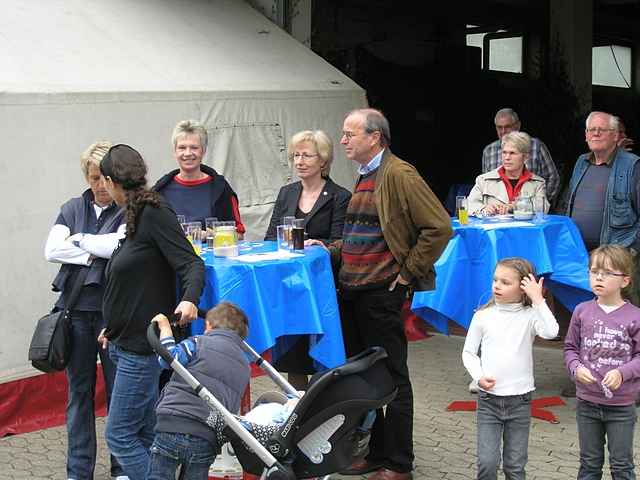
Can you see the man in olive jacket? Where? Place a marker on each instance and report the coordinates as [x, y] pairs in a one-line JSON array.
[[395, 230]]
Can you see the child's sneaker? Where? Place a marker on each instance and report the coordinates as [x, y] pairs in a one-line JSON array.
[[473, 387]]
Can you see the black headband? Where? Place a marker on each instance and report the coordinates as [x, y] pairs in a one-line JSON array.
[[121, 153]]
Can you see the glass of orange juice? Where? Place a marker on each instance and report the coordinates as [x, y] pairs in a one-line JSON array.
[[462, 210]]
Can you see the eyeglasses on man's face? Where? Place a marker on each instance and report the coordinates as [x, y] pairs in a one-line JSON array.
[[594, 272], [304, 156], [349, 135], [599, 130]]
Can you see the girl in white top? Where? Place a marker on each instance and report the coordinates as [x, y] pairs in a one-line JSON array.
[[504, 329]]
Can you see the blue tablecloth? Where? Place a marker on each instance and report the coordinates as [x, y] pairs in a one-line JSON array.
[[465, 269], [281, 298]]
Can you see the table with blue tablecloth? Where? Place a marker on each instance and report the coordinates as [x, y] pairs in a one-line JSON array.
[[282, 298], [464, 271]]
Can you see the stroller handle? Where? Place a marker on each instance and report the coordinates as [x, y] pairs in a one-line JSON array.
[[363, 360], [153, 332]]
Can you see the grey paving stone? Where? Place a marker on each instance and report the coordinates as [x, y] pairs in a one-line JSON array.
[[445, 442]]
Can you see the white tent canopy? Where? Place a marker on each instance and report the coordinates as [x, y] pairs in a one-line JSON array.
[[76, 71]]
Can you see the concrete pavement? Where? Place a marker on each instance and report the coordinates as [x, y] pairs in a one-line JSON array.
[[445, 442]]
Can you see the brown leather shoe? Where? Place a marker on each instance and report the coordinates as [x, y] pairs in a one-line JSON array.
[[386, 474], [360, 467]]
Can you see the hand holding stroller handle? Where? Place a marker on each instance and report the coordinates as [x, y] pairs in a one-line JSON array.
[[174, 319], [152, 337]]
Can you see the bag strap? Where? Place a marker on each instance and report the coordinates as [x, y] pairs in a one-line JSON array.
[[77, 287]]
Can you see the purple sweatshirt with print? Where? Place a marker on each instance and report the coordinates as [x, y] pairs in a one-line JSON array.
[[602, 341]]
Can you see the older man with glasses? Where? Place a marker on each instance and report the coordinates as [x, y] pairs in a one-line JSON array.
[[394, 232], [539, 162], [604, 197]]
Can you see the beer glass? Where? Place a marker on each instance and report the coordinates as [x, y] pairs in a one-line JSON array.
[[297, 234]]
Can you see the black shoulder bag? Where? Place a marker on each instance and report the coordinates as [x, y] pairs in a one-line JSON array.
[[50, 347]]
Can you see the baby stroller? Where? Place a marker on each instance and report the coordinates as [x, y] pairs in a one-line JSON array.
[[325, 433]]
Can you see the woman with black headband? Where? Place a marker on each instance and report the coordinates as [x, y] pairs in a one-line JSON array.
[[140, 283]]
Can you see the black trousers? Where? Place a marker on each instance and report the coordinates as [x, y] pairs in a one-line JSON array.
[[372, 318]]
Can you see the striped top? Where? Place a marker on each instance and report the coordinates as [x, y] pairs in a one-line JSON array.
[[367, 262]]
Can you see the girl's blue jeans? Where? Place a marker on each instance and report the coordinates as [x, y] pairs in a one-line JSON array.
[[599, 424], [503, 420]]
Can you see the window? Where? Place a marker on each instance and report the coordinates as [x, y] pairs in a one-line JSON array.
[[501, 50], [505, 53], [611, 66]]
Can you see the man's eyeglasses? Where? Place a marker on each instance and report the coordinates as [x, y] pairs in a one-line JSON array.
[[599, 130], [605, 273], [349, 135], [304, 156]]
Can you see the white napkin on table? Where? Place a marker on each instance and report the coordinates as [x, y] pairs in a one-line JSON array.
[[494, 226], [261, 257]]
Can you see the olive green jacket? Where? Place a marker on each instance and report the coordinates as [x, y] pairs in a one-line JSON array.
[[414, 223]]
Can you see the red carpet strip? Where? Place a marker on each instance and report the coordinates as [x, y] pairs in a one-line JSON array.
[[537, 407]]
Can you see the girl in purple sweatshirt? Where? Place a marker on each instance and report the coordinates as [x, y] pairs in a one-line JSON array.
[[602, 355]]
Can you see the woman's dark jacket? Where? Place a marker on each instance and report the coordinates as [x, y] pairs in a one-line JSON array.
[[324, 222], [222, 196]]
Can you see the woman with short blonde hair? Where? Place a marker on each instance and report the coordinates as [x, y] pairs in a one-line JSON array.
[[85, 234], [322, 204], [196, 190], [323, 145]]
